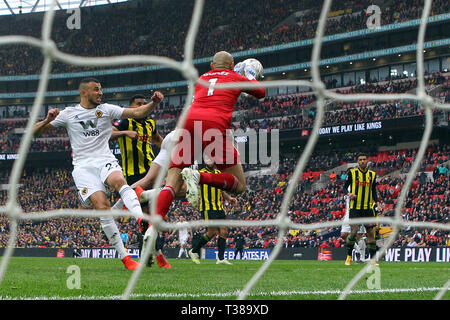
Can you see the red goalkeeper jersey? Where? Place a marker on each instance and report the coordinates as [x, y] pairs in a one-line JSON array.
[[218, 104]]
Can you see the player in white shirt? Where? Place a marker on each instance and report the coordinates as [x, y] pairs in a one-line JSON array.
[[89, 126], [183, 235]]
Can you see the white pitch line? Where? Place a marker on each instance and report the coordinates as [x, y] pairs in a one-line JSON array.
[[226, 294]]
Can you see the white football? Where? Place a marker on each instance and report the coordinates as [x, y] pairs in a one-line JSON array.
[[255, 65]]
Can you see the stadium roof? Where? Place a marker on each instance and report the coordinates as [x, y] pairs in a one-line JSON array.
[[8, 7]]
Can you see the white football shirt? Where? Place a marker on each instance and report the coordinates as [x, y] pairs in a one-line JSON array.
[[183, 233], [89, 131]]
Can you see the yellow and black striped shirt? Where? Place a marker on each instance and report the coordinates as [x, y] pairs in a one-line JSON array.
[[210, 197], [363, 185], [137, 155]]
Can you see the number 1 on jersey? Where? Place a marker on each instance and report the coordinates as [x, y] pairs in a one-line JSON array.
[[212, 83]]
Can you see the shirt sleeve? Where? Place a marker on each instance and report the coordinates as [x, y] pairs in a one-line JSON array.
[[374, 188], [348, 181], [256, 92], [114, 112]]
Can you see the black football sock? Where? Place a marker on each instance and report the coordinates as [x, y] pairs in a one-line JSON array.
[[221, 244], [203, 240], [372, 246], [350, 242]]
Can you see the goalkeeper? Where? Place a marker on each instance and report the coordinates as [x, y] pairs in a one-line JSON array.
[[211, 110]]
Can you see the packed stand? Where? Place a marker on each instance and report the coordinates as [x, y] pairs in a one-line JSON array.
[[125, 29], [283, 112], [428, 200]]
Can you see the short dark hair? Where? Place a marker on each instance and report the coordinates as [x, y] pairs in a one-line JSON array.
[[87, 80], [362, 154], [136, 96]]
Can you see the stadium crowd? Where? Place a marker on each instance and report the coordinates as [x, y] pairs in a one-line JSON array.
[[129, 30], [292, 111], [428, 200], [52, 188]]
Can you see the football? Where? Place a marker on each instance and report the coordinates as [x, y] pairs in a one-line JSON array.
[[255, 65]]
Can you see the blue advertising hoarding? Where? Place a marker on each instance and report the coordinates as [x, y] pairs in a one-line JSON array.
[[249, 254]]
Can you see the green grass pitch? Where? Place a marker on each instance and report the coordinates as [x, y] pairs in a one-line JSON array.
[[106, 279]]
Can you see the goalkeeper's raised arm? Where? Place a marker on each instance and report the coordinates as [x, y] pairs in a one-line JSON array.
[[252, 73]]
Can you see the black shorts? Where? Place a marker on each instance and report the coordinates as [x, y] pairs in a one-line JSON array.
[[134, 178], [363, 213], [159, 242], [213, 214]]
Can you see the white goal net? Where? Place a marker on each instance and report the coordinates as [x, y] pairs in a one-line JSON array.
[[186, 67]]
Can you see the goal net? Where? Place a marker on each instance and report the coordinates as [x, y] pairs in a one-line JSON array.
[[186, 68]]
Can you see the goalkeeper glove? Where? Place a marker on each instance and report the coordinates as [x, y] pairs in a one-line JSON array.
[[239, 68], [250, 73]]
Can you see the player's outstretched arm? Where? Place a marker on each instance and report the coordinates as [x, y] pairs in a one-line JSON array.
[[258, 93], [116, 133], [145, 110], [44, 125], [251, 74]]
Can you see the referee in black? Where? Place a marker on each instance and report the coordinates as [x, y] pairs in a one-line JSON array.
[[364, 203], [211, 208]]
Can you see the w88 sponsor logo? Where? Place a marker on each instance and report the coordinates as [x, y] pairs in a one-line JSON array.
[[91, 133]]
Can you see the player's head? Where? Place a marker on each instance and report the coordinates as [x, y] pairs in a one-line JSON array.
[[137, 100], [363, 160], [90, 91], [222, 60]]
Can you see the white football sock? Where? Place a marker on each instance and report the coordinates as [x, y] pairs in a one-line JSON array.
[[362, 249], [118, 205], [112, 233], [130, 199]]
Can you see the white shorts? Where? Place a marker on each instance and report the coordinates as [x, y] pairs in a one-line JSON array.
[[161, 157], [90, 178], [164, 152], [184, 240]]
